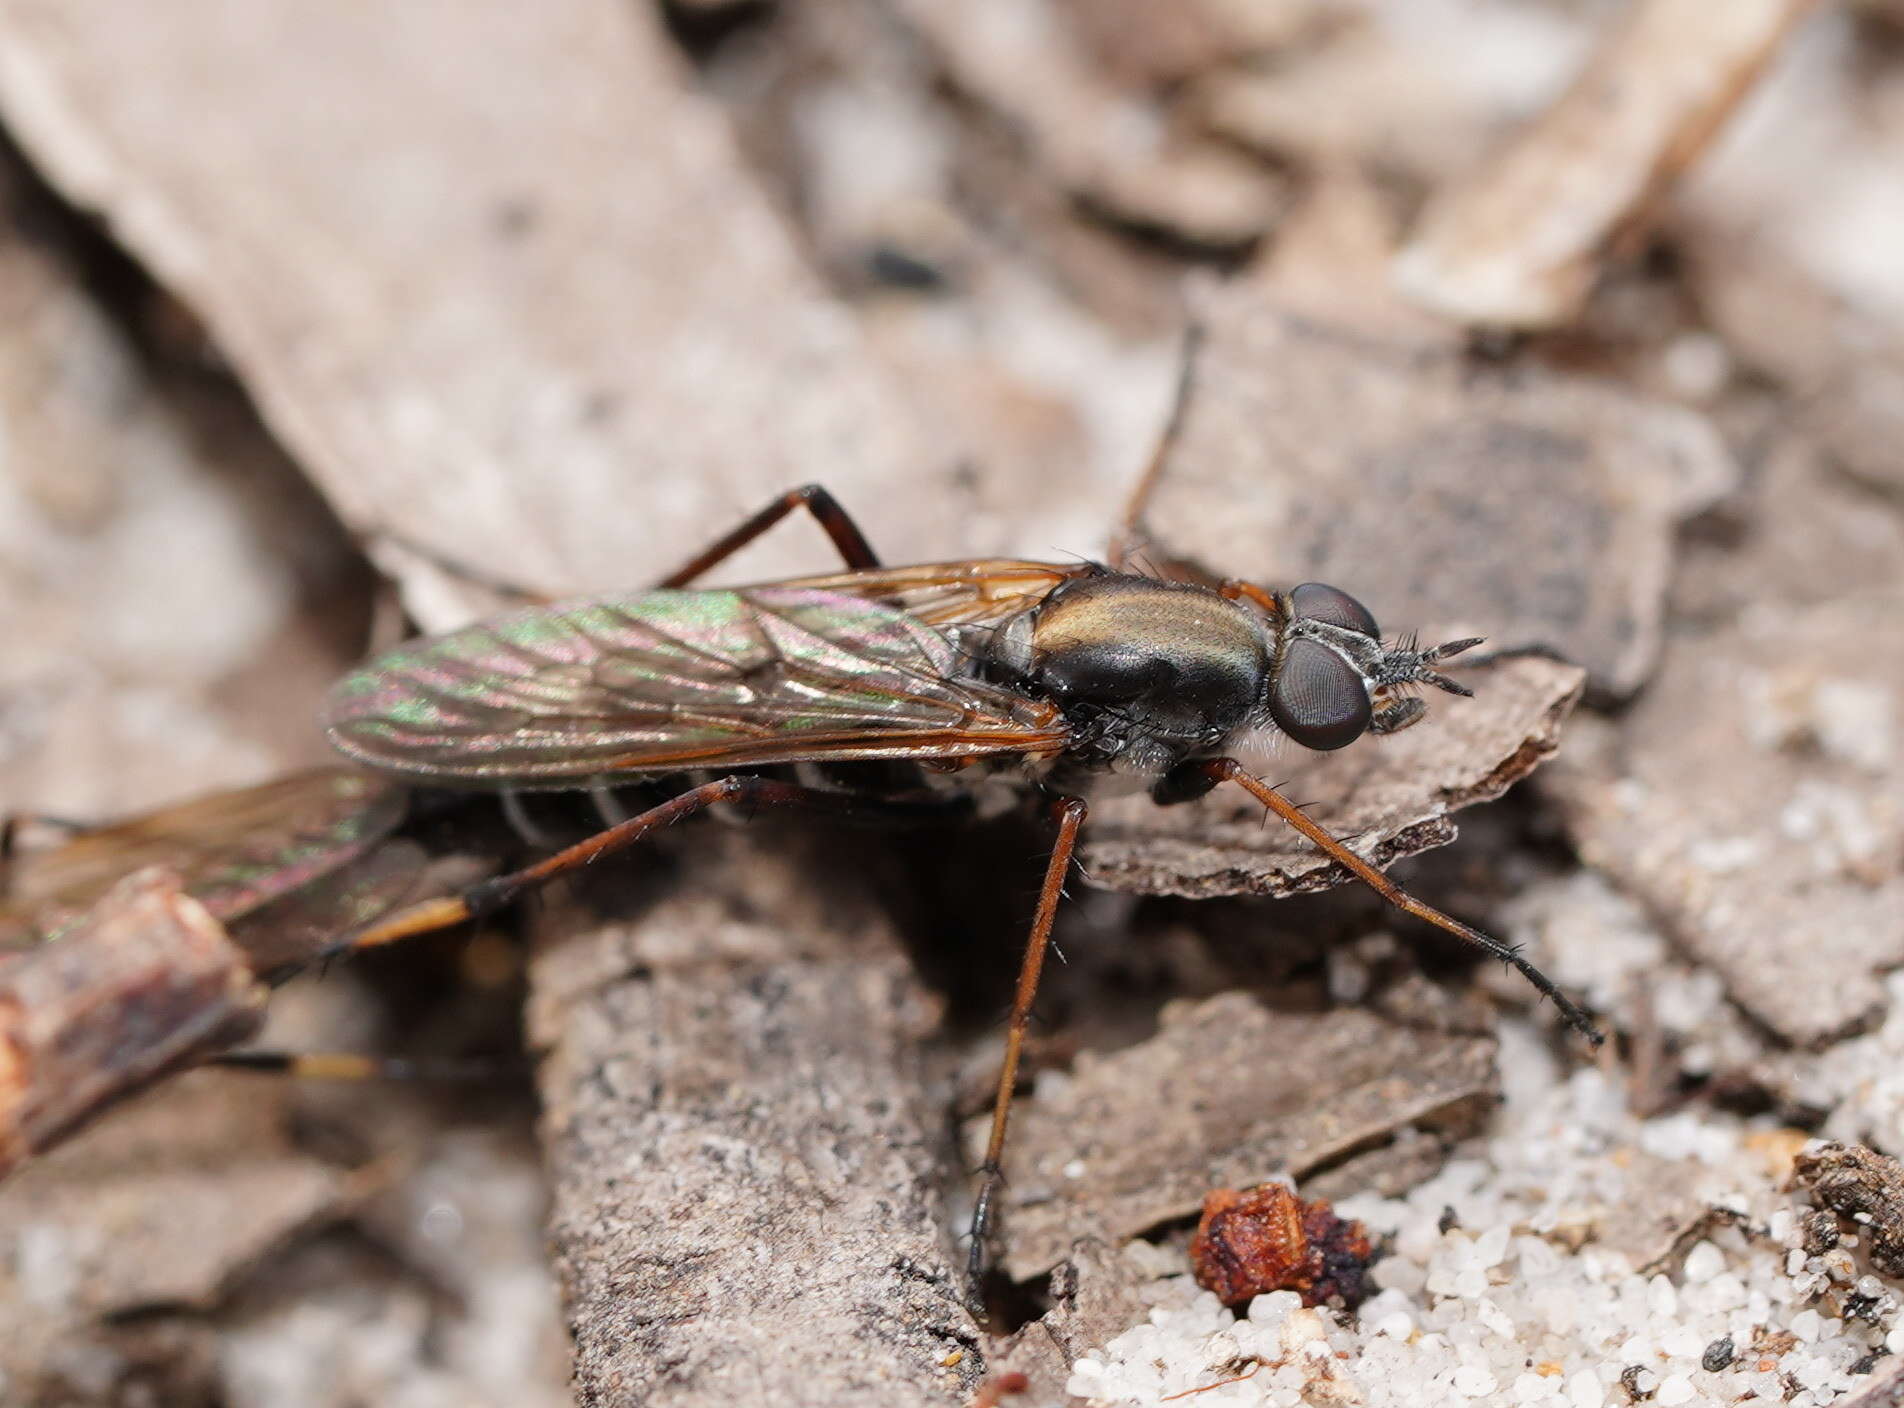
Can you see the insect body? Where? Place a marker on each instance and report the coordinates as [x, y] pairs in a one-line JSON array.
[[1061, 675]]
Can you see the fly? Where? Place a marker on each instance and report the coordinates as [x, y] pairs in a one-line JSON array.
[[1057, 675]]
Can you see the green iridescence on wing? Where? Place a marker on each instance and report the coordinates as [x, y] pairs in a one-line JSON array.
[[595, 687]]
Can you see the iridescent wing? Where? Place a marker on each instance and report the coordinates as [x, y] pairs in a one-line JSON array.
[[302, 925], [662, 680], [234, 851]]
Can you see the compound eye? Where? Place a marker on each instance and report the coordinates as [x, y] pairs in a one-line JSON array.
[[1316, 601], [1317, 698]]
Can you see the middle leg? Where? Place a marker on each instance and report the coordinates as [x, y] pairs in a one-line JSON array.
[[1071, 813], [488, 896], [854, 550]]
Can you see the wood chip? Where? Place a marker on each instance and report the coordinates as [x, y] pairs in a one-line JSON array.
[[1400, 94], [1521, 242], [484, 309], [1779, 234], [145, 985], [1113, 150], [707, 1117], [1841, 358], [1329, 263], [1227, 1093], [1865, 1188], [1767, 836], [1785, 232], [161, 1207], [1142, 45]]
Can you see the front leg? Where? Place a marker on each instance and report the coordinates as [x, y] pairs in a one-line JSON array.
[[1397, 715], [1071, 812]]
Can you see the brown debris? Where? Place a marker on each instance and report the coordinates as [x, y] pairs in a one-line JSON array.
[[996, 1389], [1329, 263], [147, 984], [1393, 796], [164, 1206], [1266, 1239], [1785, 234], [1145, 45], [1842, 362], [1225, 1094], [1865, 1188], [559, 331], [1521, 242], [1110, 149], [1764, 837], [1800, 529], [706, 1113], [490, 335]]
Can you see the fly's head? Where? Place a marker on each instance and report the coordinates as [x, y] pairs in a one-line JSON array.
[[1334, 679], [1150, 674]]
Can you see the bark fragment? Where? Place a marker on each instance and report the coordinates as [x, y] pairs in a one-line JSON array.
[[1095, 1296], [1786, 230], [159, 1208], [1867, 1189], [145, 985], [1227, 1093], [483, 310], [1111, 149], [745, 1161], [1521, 242], [1749, 799]]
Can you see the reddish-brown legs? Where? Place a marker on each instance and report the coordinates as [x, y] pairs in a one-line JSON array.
[[1129, 523], [343, 1065], [1229, 770], [499, 891], [854, 550], [840, 528], [1071, 813]]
